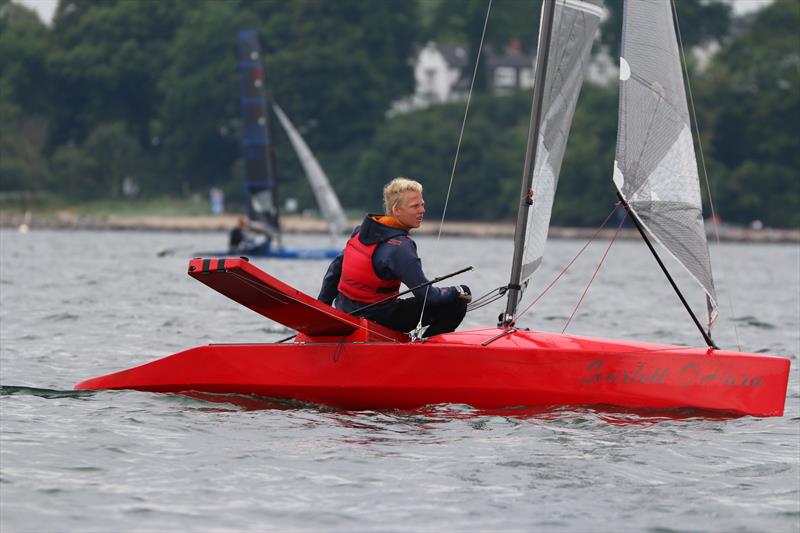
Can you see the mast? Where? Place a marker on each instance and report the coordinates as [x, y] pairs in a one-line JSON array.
[[635, 219], [526, 192], [260, 183]]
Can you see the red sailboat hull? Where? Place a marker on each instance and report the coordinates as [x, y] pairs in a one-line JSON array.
[[352, 363], [522, 368]]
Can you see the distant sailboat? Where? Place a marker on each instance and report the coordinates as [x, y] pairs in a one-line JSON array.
[[261, 181], [326, 197]]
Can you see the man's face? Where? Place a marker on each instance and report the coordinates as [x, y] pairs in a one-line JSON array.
[[410, 210]]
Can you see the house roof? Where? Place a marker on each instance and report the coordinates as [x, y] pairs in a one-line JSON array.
[[507, 58], [454, 54]]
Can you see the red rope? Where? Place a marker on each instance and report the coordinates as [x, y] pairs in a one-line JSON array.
[[596, 270], [564, 270]]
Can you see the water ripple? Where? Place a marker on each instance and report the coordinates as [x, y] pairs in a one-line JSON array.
[[61, 317], [9, 390], [136, 461]]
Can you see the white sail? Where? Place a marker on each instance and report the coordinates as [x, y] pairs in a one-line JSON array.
[[655, 168], [327, 200], [574, 26]]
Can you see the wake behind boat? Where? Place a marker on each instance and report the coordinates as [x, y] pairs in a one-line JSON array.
[[349, 362]]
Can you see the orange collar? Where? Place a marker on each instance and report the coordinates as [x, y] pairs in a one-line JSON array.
[[388, 220]]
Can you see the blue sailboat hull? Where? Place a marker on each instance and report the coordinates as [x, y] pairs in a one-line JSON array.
[[279, 253]]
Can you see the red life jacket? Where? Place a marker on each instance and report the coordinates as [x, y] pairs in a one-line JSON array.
[[359, 281]]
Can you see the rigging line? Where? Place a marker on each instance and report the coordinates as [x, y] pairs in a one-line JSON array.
[[594, 274], [501, 290], [714, 222], [464, 120], [472, 308], [488, 298], [564, 270], [458, 146]]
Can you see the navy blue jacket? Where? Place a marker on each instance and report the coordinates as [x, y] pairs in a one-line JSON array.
[[394, 258]]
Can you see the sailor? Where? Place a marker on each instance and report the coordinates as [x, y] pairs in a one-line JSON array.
[[236, 237], [241, 239], [379, 256]]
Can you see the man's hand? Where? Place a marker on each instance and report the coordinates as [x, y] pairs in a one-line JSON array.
[[464, 293]]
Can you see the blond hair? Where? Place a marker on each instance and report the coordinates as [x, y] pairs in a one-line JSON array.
[[393, 192]]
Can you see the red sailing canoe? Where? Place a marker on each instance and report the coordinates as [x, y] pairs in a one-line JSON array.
[[351, 363]]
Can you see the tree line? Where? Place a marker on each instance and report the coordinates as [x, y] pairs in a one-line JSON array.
[[149, 91]]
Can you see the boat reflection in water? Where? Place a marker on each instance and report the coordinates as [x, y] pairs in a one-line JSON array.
[[445, 413]]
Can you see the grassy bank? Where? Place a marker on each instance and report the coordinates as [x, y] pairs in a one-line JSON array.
[[192, 214], [45, 206]]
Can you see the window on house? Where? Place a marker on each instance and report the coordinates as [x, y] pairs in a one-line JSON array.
[[428, 85], [526, 78], [505, 77]]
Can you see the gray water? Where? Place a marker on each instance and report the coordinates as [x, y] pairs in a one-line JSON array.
[[79, 304]]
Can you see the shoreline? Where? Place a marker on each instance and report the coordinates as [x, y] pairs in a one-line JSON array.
[[68, 220]]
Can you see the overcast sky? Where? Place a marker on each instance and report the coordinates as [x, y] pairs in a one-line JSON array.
[[46, 8]]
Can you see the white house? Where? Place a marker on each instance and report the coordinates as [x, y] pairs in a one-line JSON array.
[[509, 70], [438, 73]]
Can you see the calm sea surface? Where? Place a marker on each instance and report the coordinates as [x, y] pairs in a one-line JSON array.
[[80, 304]]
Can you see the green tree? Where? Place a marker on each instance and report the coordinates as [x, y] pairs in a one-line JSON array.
[[422, 145], [23, 165], [751, 99], [115, 153], [336, 67], [107, 61], [462, 21], [24, 47], [487, 178], [200, 109], [75, 172], [25, 100]]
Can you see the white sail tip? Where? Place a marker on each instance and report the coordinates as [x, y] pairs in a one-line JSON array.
[[624, 69], [619, 179]]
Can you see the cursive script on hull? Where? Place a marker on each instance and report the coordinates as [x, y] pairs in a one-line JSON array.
[[686, 375]]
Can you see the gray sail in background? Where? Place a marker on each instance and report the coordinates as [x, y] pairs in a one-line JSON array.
[[655, 168], [574, 26], [327, 200]]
